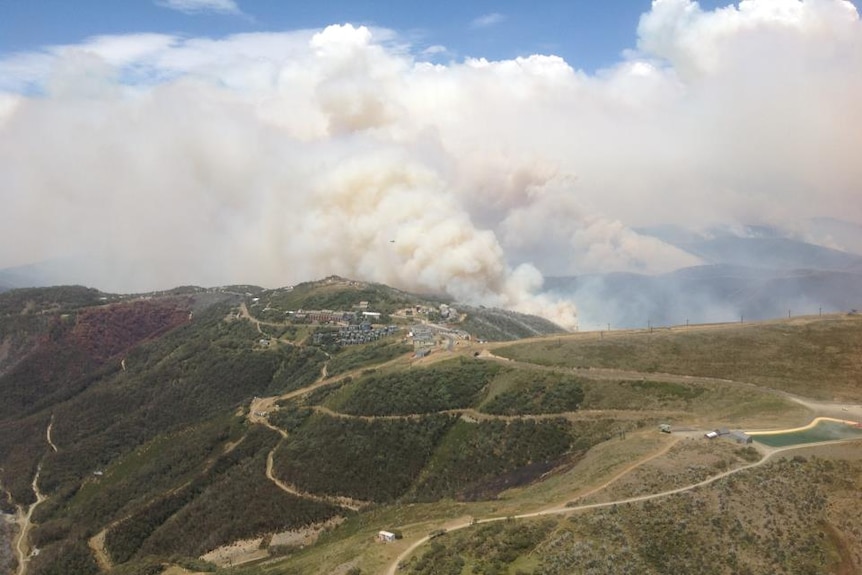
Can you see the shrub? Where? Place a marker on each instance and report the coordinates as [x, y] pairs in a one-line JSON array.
[[453, 385], [369, 460]]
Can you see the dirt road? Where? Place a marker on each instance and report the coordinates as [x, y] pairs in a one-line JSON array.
[[260, 406], [341, 501], [48, 435], [97, 546], [565, 510], [22, 544], [830, 409]]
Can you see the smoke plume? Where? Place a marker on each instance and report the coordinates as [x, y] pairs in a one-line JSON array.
[[153, 160]]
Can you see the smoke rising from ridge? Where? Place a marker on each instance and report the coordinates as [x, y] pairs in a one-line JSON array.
[[272, 158]]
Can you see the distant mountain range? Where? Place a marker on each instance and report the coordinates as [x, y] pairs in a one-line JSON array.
[[26, 276], [769, 248], [756, 272]]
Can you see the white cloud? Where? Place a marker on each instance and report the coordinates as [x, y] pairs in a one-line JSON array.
[[437, 51], [487, 20], [276, 158], [198, 6]]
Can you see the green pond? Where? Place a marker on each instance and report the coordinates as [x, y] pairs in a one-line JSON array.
[[823, 431]]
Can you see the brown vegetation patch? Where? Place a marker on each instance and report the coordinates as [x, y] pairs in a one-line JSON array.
[[106, 331]]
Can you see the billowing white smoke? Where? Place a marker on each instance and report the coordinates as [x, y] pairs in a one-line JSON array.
[[277, 158]]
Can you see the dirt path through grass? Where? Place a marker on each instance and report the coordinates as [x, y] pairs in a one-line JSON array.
[[258, 411], [261, 406], [831, 409], [25, 524], [817, 407], [565, 510], [48, 434], [96, 544], [339, 500]]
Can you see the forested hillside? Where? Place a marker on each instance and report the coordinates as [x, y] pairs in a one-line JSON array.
[[133, 415], [192, 428]]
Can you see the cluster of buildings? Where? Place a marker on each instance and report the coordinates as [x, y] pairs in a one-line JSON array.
[[364, 333], [442, 312], [331, 317], [426, 336], [360, 326], [423, 337], [358, 315], [354, 334], [737, 436]]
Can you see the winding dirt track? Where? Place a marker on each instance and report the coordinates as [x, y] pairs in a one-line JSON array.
[[24, 520], [258, 409], [261, 405], [48, 434], [565, 510], [829, 409], [97, 545], [341, 501], [21, 542]]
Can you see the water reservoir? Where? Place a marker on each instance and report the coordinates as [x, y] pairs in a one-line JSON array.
[[823, 430]]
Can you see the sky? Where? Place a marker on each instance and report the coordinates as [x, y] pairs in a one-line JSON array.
[[587, 34], [469, 148]]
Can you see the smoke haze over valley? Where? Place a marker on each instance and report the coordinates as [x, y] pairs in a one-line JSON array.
[[721, 137]]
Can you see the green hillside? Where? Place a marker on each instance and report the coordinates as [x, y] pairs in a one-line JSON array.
[[166, 430]]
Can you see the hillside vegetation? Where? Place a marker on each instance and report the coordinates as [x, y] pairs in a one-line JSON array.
[[336, 293], [164, 428], [814, 358], [139, 396], [741, 525], [449, 385], [493, 324]]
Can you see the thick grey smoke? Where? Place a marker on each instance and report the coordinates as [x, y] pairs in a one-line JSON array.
[[155, 160]]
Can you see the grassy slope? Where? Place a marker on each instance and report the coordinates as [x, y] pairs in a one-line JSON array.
[[786, 517], [814, 358]]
